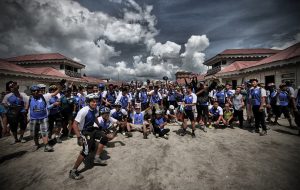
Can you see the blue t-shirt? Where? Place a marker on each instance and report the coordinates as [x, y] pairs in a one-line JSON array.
[[111, 97], [138, 118], [144, 97], [158, 121], [155, 99], [220, 95], [188, 99], [124, 102], [283, 98], [38, 108], [172, 96], [15, 101], [255, 96], [55, 109], [89, 119], [118, 115]]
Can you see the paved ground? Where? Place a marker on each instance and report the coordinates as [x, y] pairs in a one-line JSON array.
[[219, 159]]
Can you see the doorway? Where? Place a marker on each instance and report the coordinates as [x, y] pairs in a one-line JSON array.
[[269, 79], [234, 84]]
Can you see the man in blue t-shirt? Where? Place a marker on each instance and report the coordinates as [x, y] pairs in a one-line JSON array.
[[258, 103], [87, 134]]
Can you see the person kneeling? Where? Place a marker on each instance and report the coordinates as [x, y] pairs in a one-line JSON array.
[[215, 115], [158, 124]]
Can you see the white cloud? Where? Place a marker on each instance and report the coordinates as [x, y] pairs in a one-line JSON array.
[[193, 57], [169, 49], [123, 32]]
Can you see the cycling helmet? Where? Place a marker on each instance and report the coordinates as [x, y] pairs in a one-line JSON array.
[[34, 88], [118, 104], [101, 85], [41, 85], [105, 110], [52, 87], [90, 97]]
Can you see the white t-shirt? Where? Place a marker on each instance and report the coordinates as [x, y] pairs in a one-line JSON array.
[[169, 113], [104, 93], [159, 94], [292, 92], [219, 108], [80, 117], [120, 96], [22, 94], [108, 123], [124, 112], [263, 91]]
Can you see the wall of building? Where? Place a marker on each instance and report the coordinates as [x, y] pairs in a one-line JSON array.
[[279, 74], [26, 82]]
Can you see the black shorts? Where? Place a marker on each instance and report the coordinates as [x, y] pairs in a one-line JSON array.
[[213, 118], [67, 116], [275, 109], [285, 110], [89, 140], [57, 118], [16, 120], [189, 114], [202, 110]]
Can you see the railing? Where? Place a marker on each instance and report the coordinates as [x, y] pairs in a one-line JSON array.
[[72, 74], [213, 70]]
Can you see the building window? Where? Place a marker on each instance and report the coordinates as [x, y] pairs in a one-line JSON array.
[[62, 67], [76, 70], [223, 62], [68, 68]]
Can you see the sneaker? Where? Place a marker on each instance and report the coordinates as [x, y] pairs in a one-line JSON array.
[[48, 148], [73, 174], [204, 129], [22, 140], [193, 135], [128, 134], [166, 137], [70, 136], [100, 161], [182, 133], [263, 133], [36, 147], [123, 133], [210, 126], [156, 135], [58, 140]]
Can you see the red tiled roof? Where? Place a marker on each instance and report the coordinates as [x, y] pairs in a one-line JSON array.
[[237, 65], [4, 65], [249, 51], [93, 80], [47, 71], [200, 77], [41, 57], [288, 53]]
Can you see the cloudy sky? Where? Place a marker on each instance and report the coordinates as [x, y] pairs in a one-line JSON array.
[[139, 39]]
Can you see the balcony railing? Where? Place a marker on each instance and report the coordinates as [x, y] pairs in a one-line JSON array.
[[213, 70], [72, 74]]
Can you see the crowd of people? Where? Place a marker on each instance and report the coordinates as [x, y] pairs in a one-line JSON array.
[[95, 114]]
